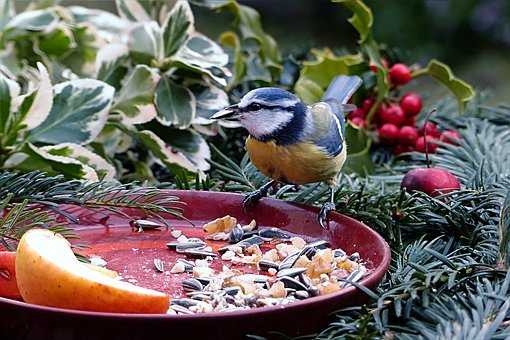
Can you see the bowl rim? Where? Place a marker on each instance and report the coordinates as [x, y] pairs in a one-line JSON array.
[[372, 278]]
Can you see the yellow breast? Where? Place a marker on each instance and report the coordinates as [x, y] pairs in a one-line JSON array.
[[298, 163]]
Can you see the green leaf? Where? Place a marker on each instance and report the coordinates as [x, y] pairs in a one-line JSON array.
[[110, 64], [177, 28], [443, 74], [362, 18], [34, 158], [135, 99], [132, 10], [146, 42], [83, 56], [79, 112], [103, 169], [358, 152], [175, 104], [230, 41], [316, 75], [192, 152], [58, 42]]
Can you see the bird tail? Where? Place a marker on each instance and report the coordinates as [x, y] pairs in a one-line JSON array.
[[342, 88]]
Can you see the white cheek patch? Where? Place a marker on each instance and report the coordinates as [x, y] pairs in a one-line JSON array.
[[265, 122]]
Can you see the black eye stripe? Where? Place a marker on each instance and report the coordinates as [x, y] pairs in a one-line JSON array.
[[265, 107]]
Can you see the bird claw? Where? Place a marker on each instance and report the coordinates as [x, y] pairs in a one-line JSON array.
[[323, 214], [251, 198]]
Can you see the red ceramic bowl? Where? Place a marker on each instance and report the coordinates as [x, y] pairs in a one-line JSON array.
[[127, 252]]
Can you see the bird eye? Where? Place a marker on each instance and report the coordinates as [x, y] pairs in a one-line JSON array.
[[255, 107]]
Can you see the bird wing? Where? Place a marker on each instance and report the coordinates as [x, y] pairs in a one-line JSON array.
[[327, 129]]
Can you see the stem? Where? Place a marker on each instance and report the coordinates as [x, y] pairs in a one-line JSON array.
[[427, 160], [419, 72]]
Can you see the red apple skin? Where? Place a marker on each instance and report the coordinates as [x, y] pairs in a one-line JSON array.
[[432, 181], [8, 285]]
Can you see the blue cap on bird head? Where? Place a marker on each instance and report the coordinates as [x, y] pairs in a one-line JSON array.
[[272, 113]]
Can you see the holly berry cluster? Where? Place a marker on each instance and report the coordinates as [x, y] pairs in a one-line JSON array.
[[395, 121]]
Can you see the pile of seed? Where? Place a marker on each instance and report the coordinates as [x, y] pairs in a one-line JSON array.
[[292, 270]]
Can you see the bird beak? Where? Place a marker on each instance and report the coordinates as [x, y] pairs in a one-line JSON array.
[[229, 113]]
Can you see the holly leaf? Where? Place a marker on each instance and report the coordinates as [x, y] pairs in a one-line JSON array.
[[176, 104], [316, 75], [362, 18], [79, 112], [358, 152], [459, 88], [178, 26], [135, 99]]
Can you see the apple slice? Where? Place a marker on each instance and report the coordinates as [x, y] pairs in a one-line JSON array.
[[48, 273], [8, 287]]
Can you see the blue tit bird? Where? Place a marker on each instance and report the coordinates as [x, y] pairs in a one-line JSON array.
[[292, 142]]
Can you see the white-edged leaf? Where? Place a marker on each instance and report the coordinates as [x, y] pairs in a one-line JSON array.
[[178, 26], [9, 90], [135, 99], [171, 156], [110, 63], [38, 20], [109, 26], [34, 158], [103, 169], [79, 112], [210, 99], [146, 42], [36, 105], [6, 12], [132, 10], [113, 140], [175, 104]]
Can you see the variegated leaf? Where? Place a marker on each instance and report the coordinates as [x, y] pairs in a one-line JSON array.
[[6, 12], [176, 104], [146, 42], [34, 158], [210, 99], [179, 24], [35, 106], [24, 22], [113, 140], [132, 10], [192, 154], [110, 61], [135, 99], [9, 90], [79, 112], [103, 169], [58, 42], [109, 26]]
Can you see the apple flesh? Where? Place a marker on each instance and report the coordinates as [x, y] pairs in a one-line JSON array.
[[432, 181], [49, 274]]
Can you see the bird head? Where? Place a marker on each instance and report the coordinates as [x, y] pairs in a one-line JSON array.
[[268, 113]]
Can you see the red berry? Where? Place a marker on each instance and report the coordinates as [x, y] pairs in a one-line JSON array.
[[450, 136], [408, 135], [410, 121], [367, 104], [358, 113], [388, 133], [420, 144], [380, 112], [432, 181], [358, 122], [384, 63], [411, 104], [393, 115], [399, 149], [400, 74], [430, 129]]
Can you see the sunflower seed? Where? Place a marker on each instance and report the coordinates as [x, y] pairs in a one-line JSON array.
[[232, 291], [142, 225], [354, 257], [321, 244], [160, 265], [180, 309], [290, 272], [236, 234], [188, 265], [355, 276], [291, 282], [265, 265], [289, 261], [192, 284], [196, 253], [301, 294], [274, 233], [184, 302], [338, 252]]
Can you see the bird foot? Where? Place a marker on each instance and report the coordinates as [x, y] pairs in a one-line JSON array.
[[252, 198], [323, 214]]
